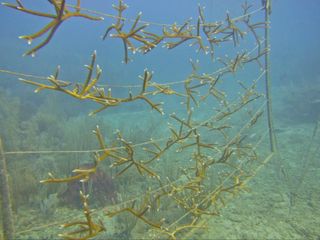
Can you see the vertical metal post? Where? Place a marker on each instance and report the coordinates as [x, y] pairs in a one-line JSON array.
[[267, 6], [5, 194]]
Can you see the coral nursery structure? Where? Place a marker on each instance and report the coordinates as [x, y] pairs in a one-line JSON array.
[[207, 147]]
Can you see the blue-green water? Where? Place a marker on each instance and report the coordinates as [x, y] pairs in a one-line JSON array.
[[52, 132]]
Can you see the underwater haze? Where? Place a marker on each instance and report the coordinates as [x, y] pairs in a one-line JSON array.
[[161, 125]]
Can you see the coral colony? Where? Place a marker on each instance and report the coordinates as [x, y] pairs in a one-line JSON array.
[[219, 163]]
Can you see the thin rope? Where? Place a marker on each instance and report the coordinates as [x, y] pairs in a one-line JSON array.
[[80, 151], [103, 14], [220, 70], [19, 74]]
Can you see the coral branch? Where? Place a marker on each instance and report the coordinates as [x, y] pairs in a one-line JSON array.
[[62, 14]]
